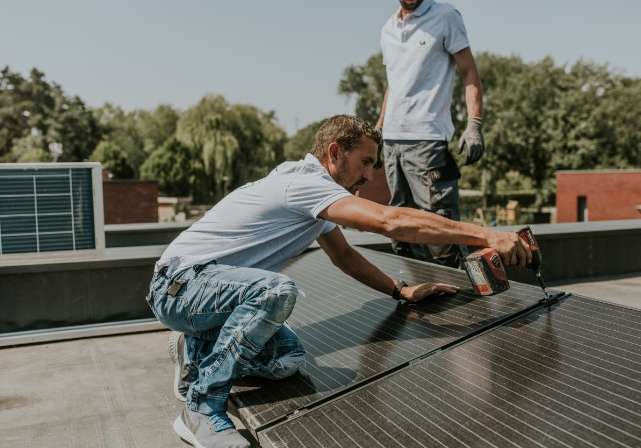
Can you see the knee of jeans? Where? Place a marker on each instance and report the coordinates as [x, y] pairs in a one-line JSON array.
[[283, 298]]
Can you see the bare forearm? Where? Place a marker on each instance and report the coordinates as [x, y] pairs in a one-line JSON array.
[[360, 269], [471, 82], [473, 93], [381, 116], [417, 226]]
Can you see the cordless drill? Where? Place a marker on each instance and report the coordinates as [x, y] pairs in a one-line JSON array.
[[487, 272]]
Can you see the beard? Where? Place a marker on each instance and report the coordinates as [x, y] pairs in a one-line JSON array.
[[341, 179], [410, 6]]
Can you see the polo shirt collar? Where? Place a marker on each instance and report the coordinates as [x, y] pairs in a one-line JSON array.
[[313, 160], [422, 9]]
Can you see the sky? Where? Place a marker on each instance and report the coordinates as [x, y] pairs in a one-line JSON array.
[[281, 55]]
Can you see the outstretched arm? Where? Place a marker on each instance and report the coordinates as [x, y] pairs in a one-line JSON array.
[[417, 226], [348, 260]]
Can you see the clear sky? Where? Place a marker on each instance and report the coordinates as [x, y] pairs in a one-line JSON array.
[[281, 55]]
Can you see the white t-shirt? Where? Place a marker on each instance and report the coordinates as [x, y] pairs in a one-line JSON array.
[[261, 224], [417, 53]]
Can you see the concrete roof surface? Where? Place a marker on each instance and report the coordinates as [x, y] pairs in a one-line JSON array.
[[109, 392]]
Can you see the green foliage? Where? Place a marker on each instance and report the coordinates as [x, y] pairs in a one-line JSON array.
[[114, 159], [136, 134], [34, 106], [30, 149], [121, 133], [236, 143], [539, 118], [302, 142], [368, 82], [156, 127], [513, 181], [172, 165]]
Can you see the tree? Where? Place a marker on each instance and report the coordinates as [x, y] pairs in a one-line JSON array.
[[34, 106], [302, 142], [172, 165], [235, 143], [368, 82], [114, 159], [30, 149], [156, 127], [120, 132]]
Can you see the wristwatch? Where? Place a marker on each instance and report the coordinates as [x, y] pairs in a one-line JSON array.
[[396, 292]]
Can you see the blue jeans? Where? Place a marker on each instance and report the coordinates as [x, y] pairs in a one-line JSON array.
[[234, 324]]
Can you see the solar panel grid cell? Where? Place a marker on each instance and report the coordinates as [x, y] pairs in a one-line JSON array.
[[567, 376], [353, 333]]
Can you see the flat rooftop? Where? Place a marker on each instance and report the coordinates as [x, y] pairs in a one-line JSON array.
[[364, 352], [115, 391], [617, 289]]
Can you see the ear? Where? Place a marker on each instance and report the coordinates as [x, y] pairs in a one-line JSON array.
[[333, 151]]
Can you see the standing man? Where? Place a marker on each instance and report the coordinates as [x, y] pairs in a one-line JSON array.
[[218, 281], [422, 43]]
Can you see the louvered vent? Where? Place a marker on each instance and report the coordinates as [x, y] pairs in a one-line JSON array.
[[50, 207]]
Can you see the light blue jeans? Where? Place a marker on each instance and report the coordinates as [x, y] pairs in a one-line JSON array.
[[234, 324]]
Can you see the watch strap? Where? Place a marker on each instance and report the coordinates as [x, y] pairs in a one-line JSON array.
[[396, 292]]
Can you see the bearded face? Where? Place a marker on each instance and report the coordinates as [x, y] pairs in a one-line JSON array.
[[346, 175], [410, 5]]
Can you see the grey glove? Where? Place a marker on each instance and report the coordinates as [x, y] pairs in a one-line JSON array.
[[472, 141]]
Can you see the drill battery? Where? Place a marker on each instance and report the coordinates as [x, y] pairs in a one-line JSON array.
[[486, 272]]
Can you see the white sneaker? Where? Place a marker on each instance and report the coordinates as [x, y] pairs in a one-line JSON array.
[[197, 430], [181, 371]]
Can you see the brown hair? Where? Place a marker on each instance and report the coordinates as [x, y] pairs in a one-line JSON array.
[[346, 130]]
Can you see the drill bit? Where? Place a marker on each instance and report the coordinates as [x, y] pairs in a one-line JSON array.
[[539, 277]]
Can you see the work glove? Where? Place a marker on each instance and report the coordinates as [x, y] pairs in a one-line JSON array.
[[472, 141]]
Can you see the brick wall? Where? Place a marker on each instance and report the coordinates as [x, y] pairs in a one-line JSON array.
[[611, 194], [130, 201]]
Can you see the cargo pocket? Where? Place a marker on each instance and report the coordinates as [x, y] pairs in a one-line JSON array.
[[440, 165]]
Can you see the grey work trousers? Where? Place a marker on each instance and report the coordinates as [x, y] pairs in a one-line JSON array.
[[423, 174]]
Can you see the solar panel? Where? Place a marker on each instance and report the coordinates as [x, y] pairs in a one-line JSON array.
[[354, 334], [48, 208], [566, 376]]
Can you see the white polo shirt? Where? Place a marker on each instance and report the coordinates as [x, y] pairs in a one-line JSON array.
[[261, 224], [417, 53]]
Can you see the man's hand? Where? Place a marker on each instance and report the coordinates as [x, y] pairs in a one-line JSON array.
[[472, 141], [512, 249], [417, 293]]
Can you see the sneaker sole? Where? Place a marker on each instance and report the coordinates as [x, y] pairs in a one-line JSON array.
[[185, 434], [173, 354]]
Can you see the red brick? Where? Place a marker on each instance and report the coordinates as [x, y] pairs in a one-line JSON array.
[[610, 194], [130, 201]]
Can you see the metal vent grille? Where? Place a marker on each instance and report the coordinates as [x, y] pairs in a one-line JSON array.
[[46, 209]]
